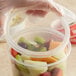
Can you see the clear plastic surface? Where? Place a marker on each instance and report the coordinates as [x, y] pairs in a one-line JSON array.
[[36, 48]]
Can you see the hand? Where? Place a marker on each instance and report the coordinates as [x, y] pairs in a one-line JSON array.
[[35, 7]]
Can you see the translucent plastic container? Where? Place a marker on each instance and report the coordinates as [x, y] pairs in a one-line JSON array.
[[35, 48], [36, 63]]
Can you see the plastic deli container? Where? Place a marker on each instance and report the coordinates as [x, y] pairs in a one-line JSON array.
[[35, 48], [44, 63]]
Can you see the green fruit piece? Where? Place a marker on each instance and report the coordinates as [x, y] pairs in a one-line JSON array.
[[24, 57], [20, 66], [36, 67], [43, 49], [39, 40], [23, 40], [34, 48], [33, 43], [19, 58], [31, 47]]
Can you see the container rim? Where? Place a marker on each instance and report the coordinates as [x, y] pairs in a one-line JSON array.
[[21, 50], [51, 64]]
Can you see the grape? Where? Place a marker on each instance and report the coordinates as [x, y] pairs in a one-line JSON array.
[[23, 45]]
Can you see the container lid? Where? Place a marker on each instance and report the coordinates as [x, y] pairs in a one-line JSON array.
[[37, 25]]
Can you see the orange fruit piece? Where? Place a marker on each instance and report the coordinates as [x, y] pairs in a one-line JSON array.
[[54, 44], [52, 59], [48, 59]]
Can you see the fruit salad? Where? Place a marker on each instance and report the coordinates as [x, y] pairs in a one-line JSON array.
[[39, 66]]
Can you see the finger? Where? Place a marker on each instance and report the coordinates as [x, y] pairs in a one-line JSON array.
[[40, 13], [42, 9]]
